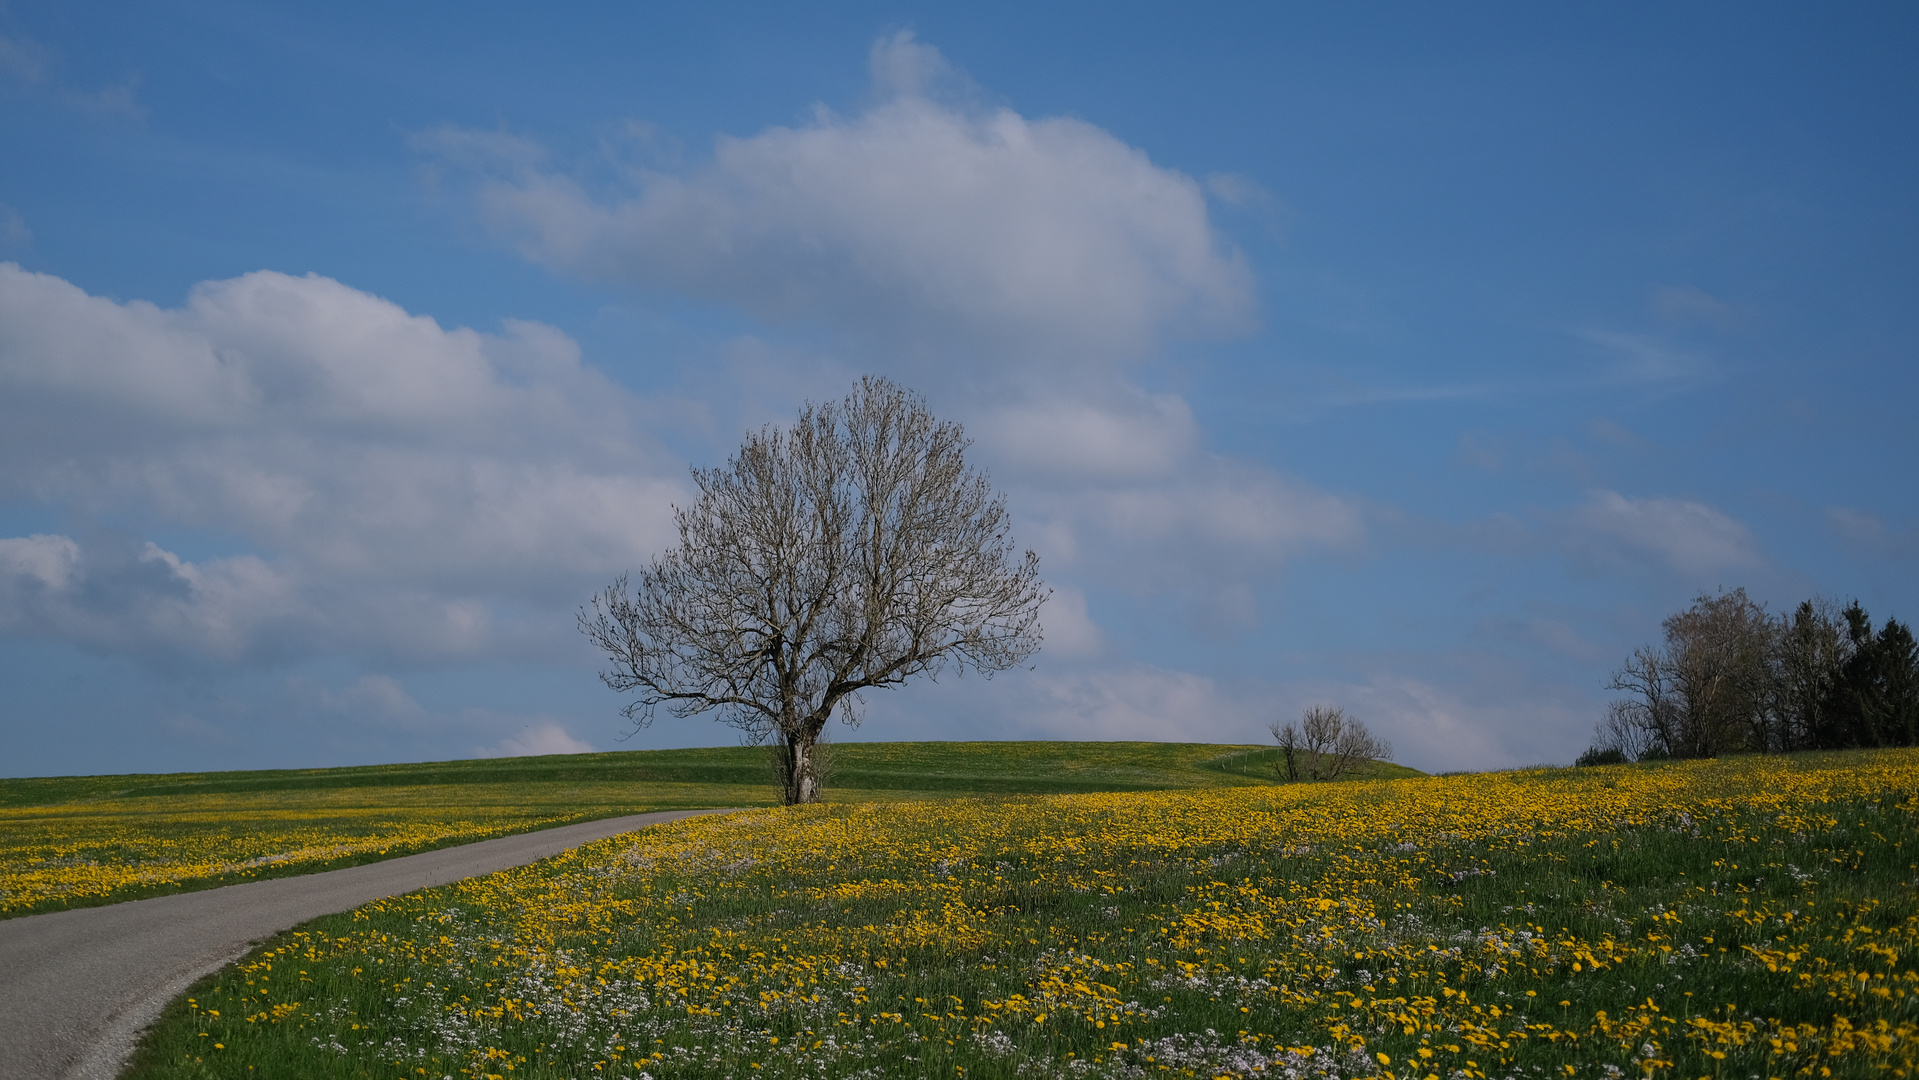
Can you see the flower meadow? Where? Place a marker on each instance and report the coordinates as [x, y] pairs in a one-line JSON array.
[[1751, 917], [100, 850], [79, 841]]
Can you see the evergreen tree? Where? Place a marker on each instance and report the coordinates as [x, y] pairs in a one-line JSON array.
[[1813, 650], [1894, 694]]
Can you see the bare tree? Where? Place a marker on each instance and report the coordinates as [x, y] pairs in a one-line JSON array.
[[1713, 688], [1326, 744], [1720, 651], [1649, 721], [851, 552]]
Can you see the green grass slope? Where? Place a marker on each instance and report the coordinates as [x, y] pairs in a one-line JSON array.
[[998, 767]]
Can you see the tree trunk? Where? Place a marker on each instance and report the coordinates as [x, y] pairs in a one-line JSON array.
[[802, 770]]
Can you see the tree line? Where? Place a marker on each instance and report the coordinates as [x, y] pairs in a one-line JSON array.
[[1731, 677]]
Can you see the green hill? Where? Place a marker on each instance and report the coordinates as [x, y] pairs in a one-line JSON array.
[[934, 767]]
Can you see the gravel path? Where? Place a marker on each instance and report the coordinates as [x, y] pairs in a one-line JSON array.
[[78, 987]]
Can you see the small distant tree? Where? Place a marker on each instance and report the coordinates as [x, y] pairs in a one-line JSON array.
[[1326, 744], [1602, 755], [852, 552]]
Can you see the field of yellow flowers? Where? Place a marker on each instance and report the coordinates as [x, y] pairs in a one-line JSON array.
[[1751, 917], [84, 840], [95, 850]]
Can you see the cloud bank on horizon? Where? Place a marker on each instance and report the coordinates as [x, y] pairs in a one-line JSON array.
[[299, 517]]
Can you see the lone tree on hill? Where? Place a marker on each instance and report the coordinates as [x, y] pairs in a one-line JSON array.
[[1326, 744], [850, 552]]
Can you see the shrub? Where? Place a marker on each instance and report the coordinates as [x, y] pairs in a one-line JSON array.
[[1602, 755]]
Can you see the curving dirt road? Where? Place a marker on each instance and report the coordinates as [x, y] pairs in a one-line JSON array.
[[78, 987]]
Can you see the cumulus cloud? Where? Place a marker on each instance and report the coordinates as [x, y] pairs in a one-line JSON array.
[[903, 66], [1238, 508], [1435, 728], [408, 491], [915, 219], [1120, 489], [1455, 710], [1140, 701], [1080, 439], [381, 696], [1013, 267], [123, 595], [395, 482], [1691, 538], [1204, 536], [1070, 631], [544, 737]]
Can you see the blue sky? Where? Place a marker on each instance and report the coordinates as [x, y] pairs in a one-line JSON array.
[[1413, 359]]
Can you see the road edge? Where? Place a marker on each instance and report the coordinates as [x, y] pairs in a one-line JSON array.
[[113, 1050]]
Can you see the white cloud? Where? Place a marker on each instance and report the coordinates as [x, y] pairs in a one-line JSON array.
[[1070, 631], [37, 562], [1156, 516], [1477, 713], [1114, 485], [914, 220], [1473, 711], [1239, 508], [903, 67], [1011, 267], [396, 481], [1691, 538], [1138, 436], [545, 737], [381, 696], [407, 491], [1434, 729], [127, 595], [1209, 532], [1141, 702]]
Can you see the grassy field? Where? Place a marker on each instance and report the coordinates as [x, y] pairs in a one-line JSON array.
[[77, 841], [1751, 917]]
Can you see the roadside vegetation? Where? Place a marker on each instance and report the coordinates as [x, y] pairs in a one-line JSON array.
[[81, 841], [1751, 916]]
